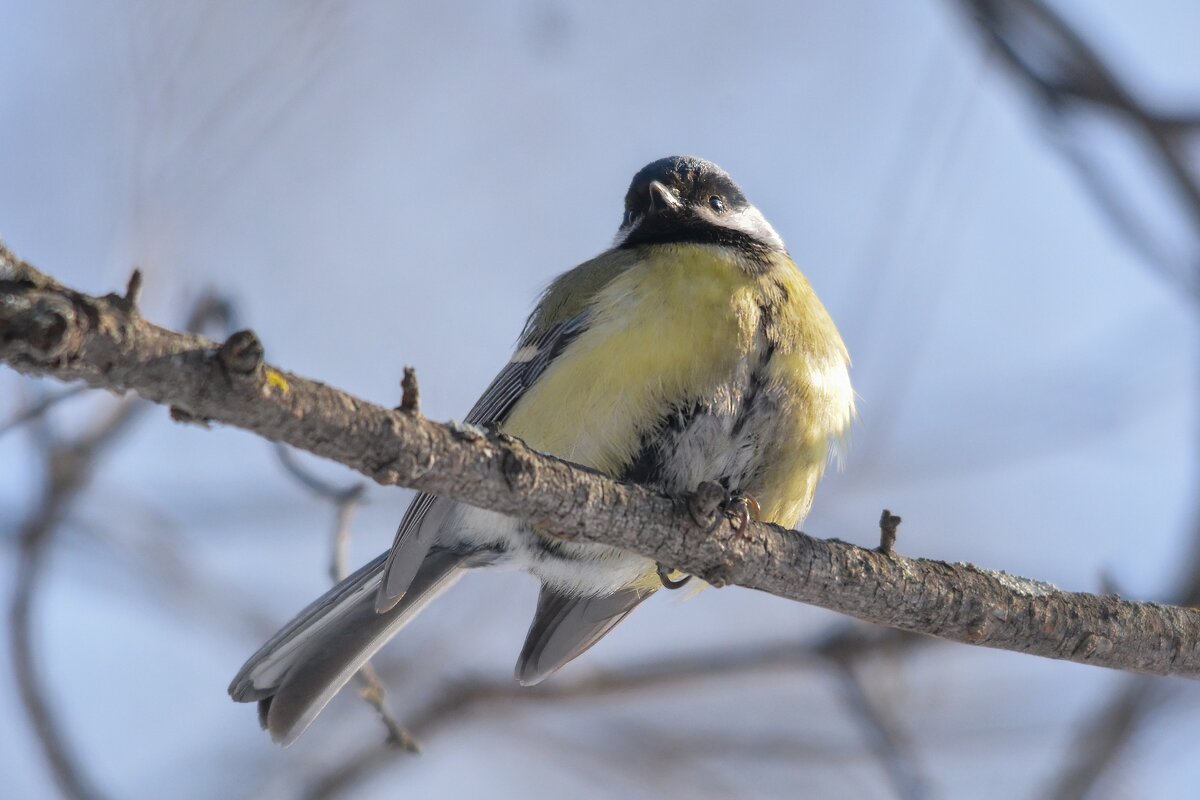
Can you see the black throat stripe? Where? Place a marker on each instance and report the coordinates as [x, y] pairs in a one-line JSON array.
[[693, 232]]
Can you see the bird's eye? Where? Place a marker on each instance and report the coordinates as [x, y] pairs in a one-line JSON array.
[[717, 203], [625, 223]]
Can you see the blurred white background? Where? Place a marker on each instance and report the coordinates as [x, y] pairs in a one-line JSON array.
[[376, 184]]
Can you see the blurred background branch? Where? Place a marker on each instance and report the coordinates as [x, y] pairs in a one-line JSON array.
[[459, 702], [67, 467], [1077, 88]]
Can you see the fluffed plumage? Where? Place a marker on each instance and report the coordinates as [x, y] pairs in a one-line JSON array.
[[693, 350]]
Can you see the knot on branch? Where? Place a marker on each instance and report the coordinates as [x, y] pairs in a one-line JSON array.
[[35, 325], [718, 577], [241, 354], [1091, 645]]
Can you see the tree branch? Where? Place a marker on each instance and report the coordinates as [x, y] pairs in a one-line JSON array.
[[48, 329]]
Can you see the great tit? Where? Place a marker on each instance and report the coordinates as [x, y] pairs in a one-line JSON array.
[[692, 350]]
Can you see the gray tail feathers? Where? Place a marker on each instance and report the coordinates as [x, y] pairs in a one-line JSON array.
[[564, 626], [295, 674], [414, 539]]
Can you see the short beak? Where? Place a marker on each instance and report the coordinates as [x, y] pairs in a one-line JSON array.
[[662, 198]]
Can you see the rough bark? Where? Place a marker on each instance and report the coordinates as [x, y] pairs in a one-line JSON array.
[[49, 329]]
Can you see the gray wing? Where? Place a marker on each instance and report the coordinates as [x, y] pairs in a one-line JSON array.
[[565, 626], [533, 356], [424, 517]]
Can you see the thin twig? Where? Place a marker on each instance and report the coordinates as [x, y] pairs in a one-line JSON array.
[[889, 524], [889, 744], [1102, 736], [410, 400], [34, 410], [133, 289], [350, 493], [67, 470]]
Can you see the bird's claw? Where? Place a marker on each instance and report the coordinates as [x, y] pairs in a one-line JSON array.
[[739, 508], [664, 576]]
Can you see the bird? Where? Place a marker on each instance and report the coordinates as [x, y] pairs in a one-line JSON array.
[[693, 350]]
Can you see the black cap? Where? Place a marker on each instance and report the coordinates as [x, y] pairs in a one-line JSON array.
[[683, 199]]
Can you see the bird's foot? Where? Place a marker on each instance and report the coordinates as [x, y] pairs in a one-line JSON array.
[[709, 506], [712, 503], [704, 503], [739, 508]]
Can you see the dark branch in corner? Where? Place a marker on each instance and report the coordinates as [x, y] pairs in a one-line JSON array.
[[1066, 75], [48, 329]]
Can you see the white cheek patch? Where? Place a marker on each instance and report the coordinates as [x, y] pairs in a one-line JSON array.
[[751, 221]]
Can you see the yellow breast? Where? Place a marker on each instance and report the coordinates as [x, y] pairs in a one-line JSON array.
[[683, 325], [672, 327]]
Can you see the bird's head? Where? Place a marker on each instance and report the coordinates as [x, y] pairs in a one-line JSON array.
[[681, 199]]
